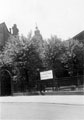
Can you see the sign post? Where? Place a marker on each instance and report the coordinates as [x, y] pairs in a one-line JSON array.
[[46, 75]]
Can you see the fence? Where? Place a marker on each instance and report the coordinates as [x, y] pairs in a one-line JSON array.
[[77, 81], [57, 83], [74, 80]]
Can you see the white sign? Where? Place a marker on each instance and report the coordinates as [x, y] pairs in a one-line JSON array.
[[46, 75]]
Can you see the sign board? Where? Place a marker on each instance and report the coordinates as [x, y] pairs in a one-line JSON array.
[[46, 75]]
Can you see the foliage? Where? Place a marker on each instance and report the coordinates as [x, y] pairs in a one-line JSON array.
[[23, 57], [73, 57], [12, 47], [27, 56]]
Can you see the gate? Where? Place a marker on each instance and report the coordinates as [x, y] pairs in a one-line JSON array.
[[5, 83]]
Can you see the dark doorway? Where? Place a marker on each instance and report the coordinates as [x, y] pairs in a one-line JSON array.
[[5, 80]]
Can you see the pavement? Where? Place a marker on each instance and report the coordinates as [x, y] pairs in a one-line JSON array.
[[42, 107], [40, 111], [57, 99]]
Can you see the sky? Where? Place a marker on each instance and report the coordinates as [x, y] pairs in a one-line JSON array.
[[64, 18]]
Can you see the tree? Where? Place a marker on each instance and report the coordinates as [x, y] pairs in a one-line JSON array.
[[29, 62], [53, 52], [73, 56]]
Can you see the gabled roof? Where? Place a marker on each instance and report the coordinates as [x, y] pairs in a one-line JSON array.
[[4, 34], [79, 36], [3, 27]]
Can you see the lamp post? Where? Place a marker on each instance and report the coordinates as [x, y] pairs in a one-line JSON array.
[[83, 63], [11, 81], [38, 79], [83, 69]]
